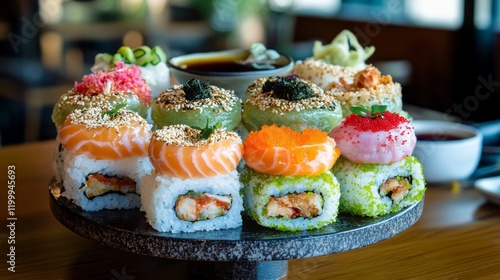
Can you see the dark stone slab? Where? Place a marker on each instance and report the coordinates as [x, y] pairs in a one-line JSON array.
[[249, 248]]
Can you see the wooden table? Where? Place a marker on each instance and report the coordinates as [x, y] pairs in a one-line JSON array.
[[457, 237]]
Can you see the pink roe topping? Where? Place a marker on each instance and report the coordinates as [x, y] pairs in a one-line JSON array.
[[121, 78], [383, 122]]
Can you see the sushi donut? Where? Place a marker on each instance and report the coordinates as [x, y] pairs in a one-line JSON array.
[[120, 85], [289, 101], [376, 171], [196, 103], [194, 185], [102, 157], [151, 62], [384, 138], [321, 73], [367, 88], [287, 181], [334, 62]]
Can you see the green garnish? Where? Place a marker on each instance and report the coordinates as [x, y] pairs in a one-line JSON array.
[[290, 88], [375, 111], [195, 89], [140, 56], [114, 112], [207, 130], [339, 51]]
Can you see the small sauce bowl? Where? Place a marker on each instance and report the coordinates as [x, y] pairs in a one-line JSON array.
[[220, 68], [448, 151]]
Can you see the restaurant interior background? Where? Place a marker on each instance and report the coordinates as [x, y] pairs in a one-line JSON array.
[[444, 53]]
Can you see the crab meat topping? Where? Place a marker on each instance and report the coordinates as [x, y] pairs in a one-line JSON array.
[[197, 206], [99, 184], [293, 205], [396, 188]]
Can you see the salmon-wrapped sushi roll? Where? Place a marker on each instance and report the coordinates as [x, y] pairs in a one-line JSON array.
[[195, 185], [120, 85], [102, 157], [196, 103], [289, 101], [287, 181], [376, 171]]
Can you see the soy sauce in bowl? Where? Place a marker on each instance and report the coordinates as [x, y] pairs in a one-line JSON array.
[[440, 137]]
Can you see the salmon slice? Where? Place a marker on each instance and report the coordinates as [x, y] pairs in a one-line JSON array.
[[283, 151], [195, 160], [88, 132]]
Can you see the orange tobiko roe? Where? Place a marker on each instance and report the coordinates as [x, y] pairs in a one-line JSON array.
[[284, 151]]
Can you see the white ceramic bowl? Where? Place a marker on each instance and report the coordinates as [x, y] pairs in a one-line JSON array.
[[447, 160], [237, 81]]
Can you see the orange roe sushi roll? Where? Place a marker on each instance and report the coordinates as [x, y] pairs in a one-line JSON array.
[[102, 157], [195, 185], [287, 180]]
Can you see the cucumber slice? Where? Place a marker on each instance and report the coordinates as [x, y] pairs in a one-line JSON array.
[[127, 53], [116, 57], [142, 55], [158, 55]]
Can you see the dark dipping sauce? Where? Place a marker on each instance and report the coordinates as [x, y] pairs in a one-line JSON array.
[[440, 137], [225, 65]]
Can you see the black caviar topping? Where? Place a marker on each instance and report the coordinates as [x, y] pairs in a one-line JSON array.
[[195, 89], [290, 88]]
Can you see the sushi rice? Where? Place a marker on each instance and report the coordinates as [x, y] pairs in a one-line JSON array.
[[360, 186], [260, 187], [160, 193], [73, 171]]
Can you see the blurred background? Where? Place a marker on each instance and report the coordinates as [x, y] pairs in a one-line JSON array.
[[444, 53]]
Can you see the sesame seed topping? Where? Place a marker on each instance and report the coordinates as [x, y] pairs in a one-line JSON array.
[[96, 117], [174, 98], [72, 98], [266, 101], [183, 135]]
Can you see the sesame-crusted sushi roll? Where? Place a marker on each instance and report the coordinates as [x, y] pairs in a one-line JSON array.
[[287, 181], [197, 104], [119, 85], [334, 62], [289, 101], [102, 157], [195, 185], [376, 171], [151, 63], [368, 88]]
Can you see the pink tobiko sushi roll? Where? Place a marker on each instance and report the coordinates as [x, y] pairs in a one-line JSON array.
[[380, 137]]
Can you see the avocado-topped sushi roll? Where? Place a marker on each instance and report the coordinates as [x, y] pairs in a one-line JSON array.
[[102, 157], [368, 88], [376, 171], [120, 85], [151, 63], [195, 185], [289, 101], [287, 181], [196, 103]]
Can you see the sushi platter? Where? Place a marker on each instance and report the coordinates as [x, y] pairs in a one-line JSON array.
[[250, 249], [236, 184]]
